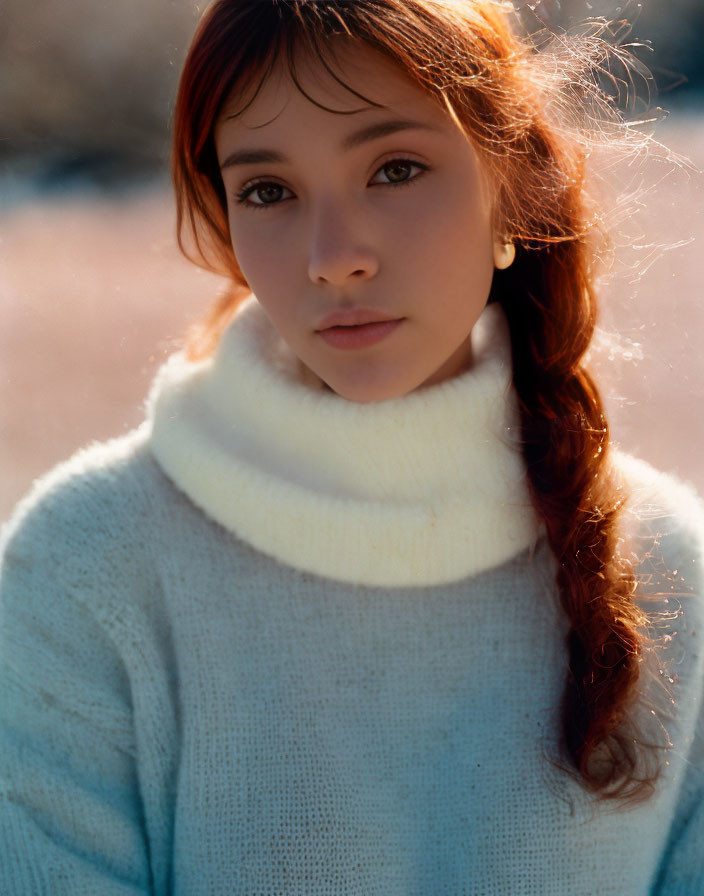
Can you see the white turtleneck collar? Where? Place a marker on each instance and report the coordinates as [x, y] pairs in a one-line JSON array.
[[419, 490]]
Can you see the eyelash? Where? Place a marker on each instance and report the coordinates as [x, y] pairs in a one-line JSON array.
[[243, 195]]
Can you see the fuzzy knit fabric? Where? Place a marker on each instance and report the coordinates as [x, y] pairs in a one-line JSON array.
[[377, 494], [205, 690]]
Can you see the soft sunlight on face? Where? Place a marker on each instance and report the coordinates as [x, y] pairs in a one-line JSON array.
[[382, 215]]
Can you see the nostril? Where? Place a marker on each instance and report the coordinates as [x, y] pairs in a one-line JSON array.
[[340, 264]]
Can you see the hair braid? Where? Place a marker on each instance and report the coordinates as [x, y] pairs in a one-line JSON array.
[[565, 447]]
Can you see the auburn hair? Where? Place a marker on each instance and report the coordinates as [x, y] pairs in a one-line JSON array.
[[470, 57]]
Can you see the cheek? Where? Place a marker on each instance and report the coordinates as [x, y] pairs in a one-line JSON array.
[[261, 257], [448, 207], [447, 243], [466, 219]]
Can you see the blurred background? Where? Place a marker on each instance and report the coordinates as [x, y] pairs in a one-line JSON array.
[[94, 294]]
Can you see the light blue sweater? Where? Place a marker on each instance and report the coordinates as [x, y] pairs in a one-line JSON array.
[[184, 712]]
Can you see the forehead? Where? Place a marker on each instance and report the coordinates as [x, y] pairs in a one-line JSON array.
[[352, 78]]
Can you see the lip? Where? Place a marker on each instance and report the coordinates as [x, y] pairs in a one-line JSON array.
[[353, 317], [361, 335]]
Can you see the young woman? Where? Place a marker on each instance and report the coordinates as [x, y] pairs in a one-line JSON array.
[[368, 605]]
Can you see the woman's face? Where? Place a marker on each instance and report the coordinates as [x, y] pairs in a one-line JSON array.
[[365, 236]]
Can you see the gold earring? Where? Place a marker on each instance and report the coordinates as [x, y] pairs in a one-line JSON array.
[[504, 255]]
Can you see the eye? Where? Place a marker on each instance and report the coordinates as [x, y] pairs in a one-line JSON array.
[[399, 171], [263, 193]]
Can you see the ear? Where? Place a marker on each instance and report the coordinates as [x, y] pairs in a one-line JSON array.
[[504, 254]]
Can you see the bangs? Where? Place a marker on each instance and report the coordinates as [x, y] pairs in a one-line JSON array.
[[310, 31]]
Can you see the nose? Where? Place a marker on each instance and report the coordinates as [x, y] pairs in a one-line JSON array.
[[340, 249]]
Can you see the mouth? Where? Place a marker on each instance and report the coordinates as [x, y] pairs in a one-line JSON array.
[[353, 317], [361, 335]]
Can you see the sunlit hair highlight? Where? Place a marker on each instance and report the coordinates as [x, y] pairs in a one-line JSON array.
[[534, 117]]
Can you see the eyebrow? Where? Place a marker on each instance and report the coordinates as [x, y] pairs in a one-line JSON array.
[[357, 138]]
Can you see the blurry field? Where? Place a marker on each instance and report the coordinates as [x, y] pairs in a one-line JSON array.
[[94, 295]]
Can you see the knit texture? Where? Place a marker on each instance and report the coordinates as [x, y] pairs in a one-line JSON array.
[[183, 711], [420, 490]]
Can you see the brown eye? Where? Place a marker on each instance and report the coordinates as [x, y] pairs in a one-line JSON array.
[[269, 193], [262, 194], [398, 171]]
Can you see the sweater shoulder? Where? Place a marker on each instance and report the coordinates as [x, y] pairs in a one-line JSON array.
[[664, 540], [89, 512], [655, 493], [663, 522], [663, 537]]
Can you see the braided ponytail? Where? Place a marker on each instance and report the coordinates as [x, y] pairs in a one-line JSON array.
[[565, 442]]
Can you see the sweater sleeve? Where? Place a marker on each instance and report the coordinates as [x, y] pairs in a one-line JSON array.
[[71, 817], [674, 534], [682, 868]]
